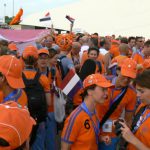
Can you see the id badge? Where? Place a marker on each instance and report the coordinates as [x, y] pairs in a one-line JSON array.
[[107, 127]]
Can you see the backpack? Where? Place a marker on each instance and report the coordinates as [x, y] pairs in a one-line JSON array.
[[36, 98]]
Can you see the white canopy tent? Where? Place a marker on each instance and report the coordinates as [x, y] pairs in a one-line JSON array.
[[120, 17]]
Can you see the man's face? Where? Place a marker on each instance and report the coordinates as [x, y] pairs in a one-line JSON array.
[[43, 60], [123, 80], [139, 43], [107, 45], [132, 43], [146, 51]]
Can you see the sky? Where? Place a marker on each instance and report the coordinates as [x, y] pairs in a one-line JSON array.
[[30, 6]]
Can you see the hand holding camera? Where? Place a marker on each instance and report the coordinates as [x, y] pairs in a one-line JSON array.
[[118, 126]]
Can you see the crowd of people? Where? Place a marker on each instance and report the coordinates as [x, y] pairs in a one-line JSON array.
[[110, 111]]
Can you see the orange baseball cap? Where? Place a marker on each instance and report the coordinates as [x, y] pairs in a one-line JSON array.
[[97, 79], [43, 51], [30, 51], [11, 68], [15, 124], [12, 47], [128, 68], [146, 64]]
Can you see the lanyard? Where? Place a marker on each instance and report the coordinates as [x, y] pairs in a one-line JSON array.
[[141, 120], [116, 98], [96, 127], [12, 96]]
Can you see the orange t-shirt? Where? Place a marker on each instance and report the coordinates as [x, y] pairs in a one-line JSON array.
[[119, 59], [58, 81], [143, 132], [79, 132], [128, 103], [20, 97], [138, 58], [30, 74]]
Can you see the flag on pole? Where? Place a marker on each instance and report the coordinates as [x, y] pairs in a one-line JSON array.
[[46, 18], [70, 19], [71, 84]]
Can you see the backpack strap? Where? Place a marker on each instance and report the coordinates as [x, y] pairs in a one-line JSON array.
[[37, 76], [31, 81], [60, 66], [113, 106]]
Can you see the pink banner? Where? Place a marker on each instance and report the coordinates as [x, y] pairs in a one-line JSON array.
[[22, 35]]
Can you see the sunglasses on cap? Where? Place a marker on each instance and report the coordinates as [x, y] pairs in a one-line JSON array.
[[43, 56]]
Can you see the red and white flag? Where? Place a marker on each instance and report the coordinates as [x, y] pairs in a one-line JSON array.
[[71, 84], [70, 19], [46, 18]]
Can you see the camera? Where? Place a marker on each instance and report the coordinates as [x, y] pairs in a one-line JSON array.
[[118, 126]]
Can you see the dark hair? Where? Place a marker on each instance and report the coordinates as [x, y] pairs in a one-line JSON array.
[[30, 60], [4, 50], [52, 52], [147, 43], [124, 40], [3, 43], [3, 143], [87, 69], [94, 41], [93, 48], [143, 79], [85, 92], [95, 33], [102, 42], [131, 38], [138, 37]]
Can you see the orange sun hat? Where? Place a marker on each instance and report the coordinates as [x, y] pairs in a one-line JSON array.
[[12, 47], [15, 124], [128, 68], [11, 68], [30, 51], [97, 79], [64, 41]]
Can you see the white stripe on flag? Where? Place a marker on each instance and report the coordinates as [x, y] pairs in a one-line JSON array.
[[74, 80]]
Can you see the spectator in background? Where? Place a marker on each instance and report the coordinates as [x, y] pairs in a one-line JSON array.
[[131, 44], [74, 55], [105, 45]]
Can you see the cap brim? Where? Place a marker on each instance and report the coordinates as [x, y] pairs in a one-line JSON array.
[[127, 73], [16, 83], [105, 84]]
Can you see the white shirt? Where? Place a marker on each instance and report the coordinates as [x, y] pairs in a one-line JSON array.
[[103, 51], [83, 48]]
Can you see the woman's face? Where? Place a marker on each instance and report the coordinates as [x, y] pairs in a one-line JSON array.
[[143, 94], [53, 60], [93, 55], [99, 94]]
